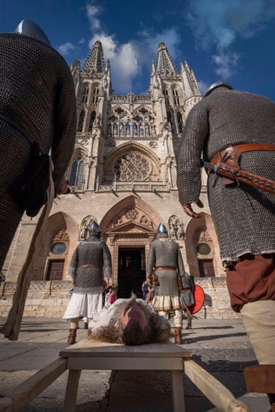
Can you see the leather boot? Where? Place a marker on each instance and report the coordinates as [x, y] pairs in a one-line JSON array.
[[89, 332], [178, 337], [72, 337], [85, 325]]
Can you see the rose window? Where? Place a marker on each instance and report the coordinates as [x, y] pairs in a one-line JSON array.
[[131, 167]]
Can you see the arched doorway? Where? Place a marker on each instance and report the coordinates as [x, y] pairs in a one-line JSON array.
[[129, 227], [60, 241], [202, 249]]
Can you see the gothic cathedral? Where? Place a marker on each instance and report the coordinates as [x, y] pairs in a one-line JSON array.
[[123, 175]]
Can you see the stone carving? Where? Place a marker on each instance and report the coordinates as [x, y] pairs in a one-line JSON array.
[[85, 224], [202, 236], [38, 286], [176, 230], [131, 214], [60, 286], [153, 144], [118, 221], [61, 236], [144, 220]]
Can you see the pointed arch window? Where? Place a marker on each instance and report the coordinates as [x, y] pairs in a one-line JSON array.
[[92, 119], [166, 95], [77, 173], [85, 94], [95, 94], [170, 120], [81, 121], [180, 122], [176, 97]]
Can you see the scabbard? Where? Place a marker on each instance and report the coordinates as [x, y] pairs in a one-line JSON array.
[[240, 175]]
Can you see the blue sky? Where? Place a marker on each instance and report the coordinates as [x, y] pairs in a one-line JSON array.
[[231, 40]]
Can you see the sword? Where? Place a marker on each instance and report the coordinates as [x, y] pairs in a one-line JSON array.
[[237, 175]]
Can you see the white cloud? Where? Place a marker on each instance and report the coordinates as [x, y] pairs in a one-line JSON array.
[[65, 49], [203, 86], [93, 11], [219, 23], [128, 60], [226, 63], [81, 41]]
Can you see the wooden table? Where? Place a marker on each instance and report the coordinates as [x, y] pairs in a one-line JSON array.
[[94, 355]]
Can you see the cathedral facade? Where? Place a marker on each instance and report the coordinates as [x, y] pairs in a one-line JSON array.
[[123, 175]]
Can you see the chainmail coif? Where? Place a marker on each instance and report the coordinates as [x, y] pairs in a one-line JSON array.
[[244, 216], [37, 92]]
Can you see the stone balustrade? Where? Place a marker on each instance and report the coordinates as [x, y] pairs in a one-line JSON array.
[[50, 299]]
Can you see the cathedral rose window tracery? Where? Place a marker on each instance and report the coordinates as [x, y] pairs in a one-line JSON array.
[[131, 167]]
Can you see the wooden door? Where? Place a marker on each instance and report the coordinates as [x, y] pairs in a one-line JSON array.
[[55, 270], [206, 268]]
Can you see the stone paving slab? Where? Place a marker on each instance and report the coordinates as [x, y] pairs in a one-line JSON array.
[[219, 346]]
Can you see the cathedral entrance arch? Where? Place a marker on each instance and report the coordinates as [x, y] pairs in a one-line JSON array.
[[129, 227]]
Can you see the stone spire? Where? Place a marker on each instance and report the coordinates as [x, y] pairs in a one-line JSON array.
[[95, 60], [165, 64], [189, 81]]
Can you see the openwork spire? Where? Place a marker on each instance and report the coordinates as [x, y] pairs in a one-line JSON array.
[[95, 60], [165, 64]]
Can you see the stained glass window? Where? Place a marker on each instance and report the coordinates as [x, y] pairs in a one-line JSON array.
[[77, 173], [131, 167]]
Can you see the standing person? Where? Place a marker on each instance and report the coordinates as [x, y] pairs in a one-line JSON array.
[[187, 298], [150, 296], [108, 293], [144, 289], [37, 114], [112, 296], [224, 124], [166, 260], [91, 262]]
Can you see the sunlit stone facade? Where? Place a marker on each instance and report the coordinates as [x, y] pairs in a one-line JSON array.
[[123, 175]]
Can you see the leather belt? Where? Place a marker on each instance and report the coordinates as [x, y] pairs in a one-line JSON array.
[[90, 266], [227, 164], [235, 151], [165, 268]]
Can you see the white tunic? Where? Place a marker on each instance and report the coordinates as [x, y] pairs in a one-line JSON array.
[[86, 305]]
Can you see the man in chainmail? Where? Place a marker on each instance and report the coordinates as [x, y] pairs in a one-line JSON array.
[[37, 99], [244, 216], [165, 261], [91, 262]]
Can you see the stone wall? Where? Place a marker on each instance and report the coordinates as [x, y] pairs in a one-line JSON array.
[[50, 298]]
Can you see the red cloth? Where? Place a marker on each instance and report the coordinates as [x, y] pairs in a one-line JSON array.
[[112, 299], [250, 279]]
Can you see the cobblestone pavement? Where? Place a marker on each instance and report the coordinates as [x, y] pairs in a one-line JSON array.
[[219, 346]]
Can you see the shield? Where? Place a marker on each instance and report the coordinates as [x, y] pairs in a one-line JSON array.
[[198, 295]]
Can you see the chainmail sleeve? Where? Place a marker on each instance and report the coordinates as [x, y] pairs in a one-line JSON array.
[[189, 172], [64, 125], [180, 263], [151, 260], [73, 265], [107, 261]]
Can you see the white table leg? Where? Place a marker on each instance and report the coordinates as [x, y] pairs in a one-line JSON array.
[[177, 392], [71, 390]]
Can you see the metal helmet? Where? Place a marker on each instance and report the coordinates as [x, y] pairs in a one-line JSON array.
[[216, 85], [162, 231], [31, 29], [94, 229]]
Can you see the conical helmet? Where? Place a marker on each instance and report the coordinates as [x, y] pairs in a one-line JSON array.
[[215, 86], [31, 29], [94, 229], [162, 229]]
